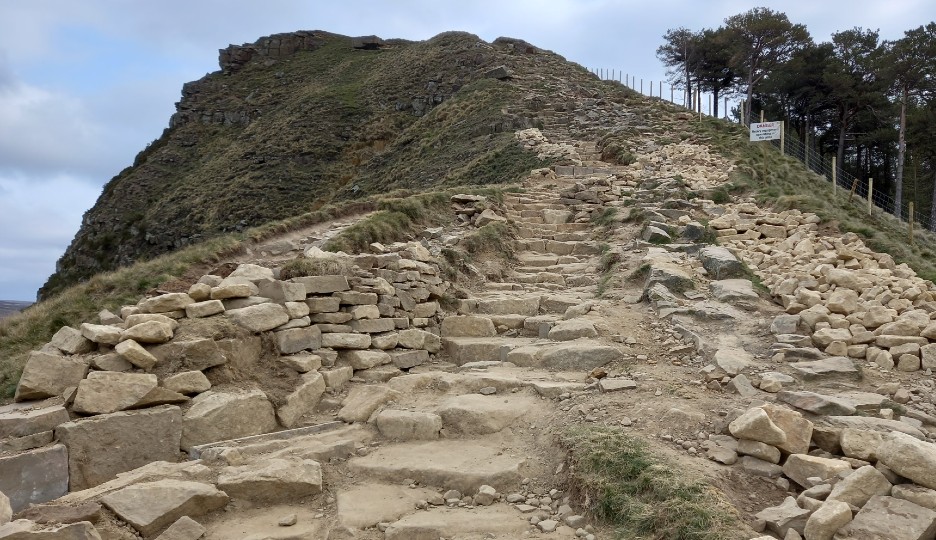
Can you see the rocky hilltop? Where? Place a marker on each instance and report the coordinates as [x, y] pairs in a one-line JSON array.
[[295, 121]]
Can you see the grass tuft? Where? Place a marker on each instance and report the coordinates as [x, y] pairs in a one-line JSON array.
[[643, 495]]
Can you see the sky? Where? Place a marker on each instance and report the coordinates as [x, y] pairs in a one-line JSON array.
[[85, 85]]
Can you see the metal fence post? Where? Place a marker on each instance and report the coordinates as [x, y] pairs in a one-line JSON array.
[[834, 182], [870, 193]]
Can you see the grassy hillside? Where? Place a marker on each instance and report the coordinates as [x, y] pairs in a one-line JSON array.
[[278, 138]]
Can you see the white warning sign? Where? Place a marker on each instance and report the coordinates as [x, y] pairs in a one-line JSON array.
[[766, 131]]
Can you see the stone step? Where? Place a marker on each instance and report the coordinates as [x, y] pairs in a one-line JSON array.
[[518, 304], [497, 521], [465, 465], [537, 260], [334, 443], [462, 350]]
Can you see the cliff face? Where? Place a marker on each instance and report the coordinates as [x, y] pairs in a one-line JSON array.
[[294, 121]]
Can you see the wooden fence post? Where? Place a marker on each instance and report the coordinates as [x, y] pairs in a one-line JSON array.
[[834, 179], [782, 136], [641, 85], [870, 193], [672, 95], [910, 223], [661, 90], [762, 117]]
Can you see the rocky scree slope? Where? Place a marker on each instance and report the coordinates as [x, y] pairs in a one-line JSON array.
[[295, 121]]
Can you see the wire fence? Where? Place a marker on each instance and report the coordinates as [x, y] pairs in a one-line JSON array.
[[880, 205]]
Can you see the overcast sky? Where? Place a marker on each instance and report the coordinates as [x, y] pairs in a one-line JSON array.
[[85, 85]]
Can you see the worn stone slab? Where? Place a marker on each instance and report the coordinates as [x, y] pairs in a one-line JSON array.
[[259, 318], [833, 366], [910, 458], [363, 400], [185, 528], [132, 439], [272, 480], [302, 400], [152, 506], [35, 476], [817, 403]]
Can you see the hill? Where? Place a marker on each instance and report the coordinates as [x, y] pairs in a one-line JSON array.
[[295, 121]]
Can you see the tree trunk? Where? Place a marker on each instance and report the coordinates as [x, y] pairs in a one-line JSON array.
[[715, 102], [750, 95], [840, 153], [901, 154]]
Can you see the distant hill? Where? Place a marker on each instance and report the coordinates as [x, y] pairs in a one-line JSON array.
[[9, 307], [296, 121]]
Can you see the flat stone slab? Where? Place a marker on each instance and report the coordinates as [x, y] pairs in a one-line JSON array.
[[30, 417], [817, 403], [369, 504], [834, 366], [477, 414], [464, 465]]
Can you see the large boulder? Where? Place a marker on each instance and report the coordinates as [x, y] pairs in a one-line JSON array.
[[218, 416], [829, 518], [150, 507], [272, 480], [46, 375], [468, 326], [131, 439], [788, 515], [755, 425], [573, 329], [148, 332], [799, 467], [166, 303], [71, 341], [910, 458], [133, 352], [859, 486], [22, 419]]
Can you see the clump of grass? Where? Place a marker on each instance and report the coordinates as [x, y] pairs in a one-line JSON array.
[[640, 273], [720, 196], [496, 237], [607, 267], [645, 496], [604, 218], [636, 215], [304, 266]]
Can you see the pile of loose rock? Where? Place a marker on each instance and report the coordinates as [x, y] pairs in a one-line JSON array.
[[857, 477]]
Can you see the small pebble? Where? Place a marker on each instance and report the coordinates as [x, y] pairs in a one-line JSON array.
[[488, 390], [288, 521]]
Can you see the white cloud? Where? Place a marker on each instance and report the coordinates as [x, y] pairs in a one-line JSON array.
[[37, 222]]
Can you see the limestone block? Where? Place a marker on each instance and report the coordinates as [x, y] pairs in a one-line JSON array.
[[910, 458], [572, 329], [150, 507], [829, 518], [756, 425], [165, 303], [108, 391], [259, 318], [218, 416], [272, 480], [46, 375], [100, 333], [302, 400], [22, 419], [323, 284], [363, 400], [132, 439], [409, 425], [799, 467], [342, 340], [414, 338], [35, 476], [133, 352], [891, 518], [188, 382], [148, 332], [71, 341], [205, 308], [859, 486], [298, 339]]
